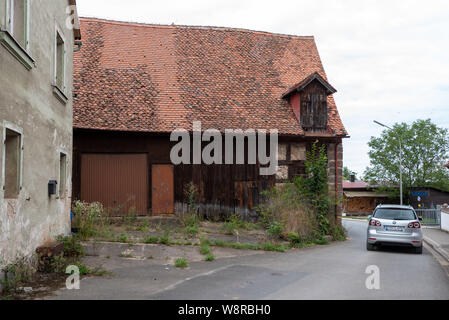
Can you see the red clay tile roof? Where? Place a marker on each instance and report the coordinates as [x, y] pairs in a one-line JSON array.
[[154, 78], [355, 185]]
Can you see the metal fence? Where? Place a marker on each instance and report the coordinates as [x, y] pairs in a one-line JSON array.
[[431, 217]]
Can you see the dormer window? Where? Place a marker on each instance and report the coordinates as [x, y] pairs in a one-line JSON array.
[[309, 102], [314, 111]]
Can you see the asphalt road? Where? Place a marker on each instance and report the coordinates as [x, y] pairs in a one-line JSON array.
[[335, 271]]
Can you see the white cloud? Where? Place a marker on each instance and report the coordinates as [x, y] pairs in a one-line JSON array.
[[388, 58]]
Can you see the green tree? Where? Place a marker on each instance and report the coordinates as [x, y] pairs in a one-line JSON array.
[[314, 186], [424, 151]]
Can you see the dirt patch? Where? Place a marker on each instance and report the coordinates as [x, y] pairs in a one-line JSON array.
[[110, 255], [172, 231], [41, 285]]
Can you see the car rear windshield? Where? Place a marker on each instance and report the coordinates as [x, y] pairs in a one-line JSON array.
[[394, 214]]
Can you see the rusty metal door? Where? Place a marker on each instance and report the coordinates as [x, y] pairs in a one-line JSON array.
[[118, 181], [163, 189]]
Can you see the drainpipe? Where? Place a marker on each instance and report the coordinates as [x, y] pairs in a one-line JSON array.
[[78, 45]]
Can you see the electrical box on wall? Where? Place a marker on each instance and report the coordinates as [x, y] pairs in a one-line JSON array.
[[52, 187]]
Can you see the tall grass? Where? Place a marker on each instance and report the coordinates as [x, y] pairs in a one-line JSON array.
[[90, 218]]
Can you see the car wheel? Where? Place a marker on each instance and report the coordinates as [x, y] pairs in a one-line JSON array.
[[418, 250], [370, 247]]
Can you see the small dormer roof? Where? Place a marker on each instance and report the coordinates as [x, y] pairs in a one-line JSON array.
[[304, 83]]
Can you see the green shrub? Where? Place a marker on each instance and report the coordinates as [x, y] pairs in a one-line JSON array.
[[321, 241], [338, 233], [165, 238], [192, 230], [302, 205], [275, 229], [151, 240], [268, 246], [235, 222], [209, 257], [204, 241], [16, 274], [84, 270], [89, 218], [294, 238], [181, 263], [245, 246], [72, 246], [123, 238], [205, 249]]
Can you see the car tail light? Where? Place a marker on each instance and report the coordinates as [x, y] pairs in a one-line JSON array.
[[414, 225], [375, 223]]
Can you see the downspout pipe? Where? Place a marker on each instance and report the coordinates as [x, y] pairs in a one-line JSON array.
[[78, 45]]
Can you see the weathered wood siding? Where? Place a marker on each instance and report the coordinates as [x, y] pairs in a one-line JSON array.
[[223, 189]]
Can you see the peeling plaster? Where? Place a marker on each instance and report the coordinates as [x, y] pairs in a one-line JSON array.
[[27, 102]]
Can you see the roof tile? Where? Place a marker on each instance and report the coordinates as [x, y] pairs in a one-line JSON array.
[[153, 78]]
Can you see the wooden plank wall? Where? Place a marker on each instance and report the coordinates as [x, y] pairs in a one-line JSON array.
[[223, 189]]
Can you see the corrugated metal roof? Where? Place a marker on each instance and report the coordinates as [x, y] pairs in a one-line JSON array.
[[364, 194]]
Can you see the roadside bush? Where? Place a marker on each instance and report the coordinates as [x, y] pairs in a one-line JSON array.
[[302, 206], [181, 263], [151, 240], [165, 238], [275, 229], [191, 196], [283, 212], [89, 218], [338, 233], [72, 246], [192, 230], [209, 258], [16, 274], [268, 246], [190, 220], [234, 223], [294, 238]]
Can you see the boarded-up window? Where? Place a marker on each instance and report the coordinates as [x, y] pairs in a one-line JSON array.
[[12, 164], [314, 111]]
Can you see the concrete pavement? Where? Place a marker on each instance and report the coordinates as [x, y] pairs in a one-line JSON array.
[[438, 240], [335, 271]]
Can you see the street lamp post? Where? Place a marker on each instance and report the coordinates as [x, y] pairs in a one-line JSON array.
[[400, 159]]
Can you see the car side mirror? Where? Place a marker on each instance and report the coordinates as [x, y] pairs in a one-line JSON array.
[[369, 217], [419, 218]]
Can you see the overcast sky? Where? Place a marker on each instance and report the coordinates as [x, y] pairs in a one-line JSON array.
[[389, 60]]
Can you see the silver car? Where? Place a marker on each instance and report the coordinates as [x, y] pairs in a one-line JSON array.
[[394, 225]]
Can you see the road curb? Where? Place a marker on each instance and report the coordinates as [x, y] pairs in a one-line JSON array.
[[437, 247], [349, 219]]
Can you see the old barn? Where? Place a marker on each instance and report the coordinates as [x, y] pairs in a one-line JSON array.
[[136, 83]]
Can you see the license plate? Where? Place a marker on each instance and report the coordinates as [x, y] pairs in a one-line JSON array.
[[394, 228]]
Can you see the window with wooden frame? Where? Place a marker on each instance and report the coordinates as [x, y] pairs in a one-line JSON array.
[[12, 163], [314, 111], [62, 174], [60, 61], [18, 21]]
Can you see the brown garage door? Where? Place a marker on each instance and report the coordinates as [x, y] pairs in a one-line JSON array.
[[118, 181]]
